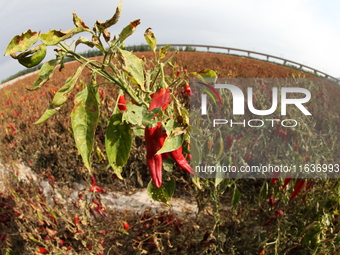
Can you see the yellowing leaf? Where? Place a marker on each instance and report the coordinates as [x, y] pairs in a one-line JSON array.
[[61, 96], [21, 43], [32, 57], [150, 39], [84, 119], [45, 73], [133, 66], [54, 37], [118, 142], [128, 30]]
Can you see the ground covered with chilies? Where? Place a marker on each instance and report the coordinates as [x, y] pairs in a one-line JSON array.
[[270, 216]]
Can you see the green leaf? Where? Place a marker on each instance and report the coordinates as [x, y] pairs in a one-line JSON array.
[[168, 164], [151, 39], [207, 75], [54, 37], [85, 41], [118, 142], [224, 185], [164, 193], [134, 114], [84, 119], [133, 66], [171, 143], [246, 138], [45, 73], [138, 131], [163, 50], [175, 137], [112, 21], [263, 191], [61, 96], [31, 57], [236, 197], [49, 112], [149, 116], [21, 43], [220, 176], [128, 30]]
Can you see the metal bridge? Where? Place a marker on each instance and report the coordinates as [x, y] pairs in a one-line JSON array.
[[272, 58]]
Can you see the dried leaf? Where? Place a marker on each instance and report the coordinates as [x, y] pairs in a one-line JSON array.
[[112, 21], [78, 22]]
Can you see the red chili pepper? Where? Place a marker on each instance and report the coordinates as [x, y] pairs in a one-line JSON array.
[[101, 93], [42, 250], [272, 201], [297, 189], [279, 213], [122, 103], [126, 226], [94, 187], [187, 90], [181, 161], [89, 246], [76, 220], [154, 137], [229, 142], [269, 221], [153, 140], [160, 99]]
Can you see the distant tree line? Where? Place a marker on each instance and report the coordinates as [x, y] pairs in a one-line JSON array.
[[96, 53]]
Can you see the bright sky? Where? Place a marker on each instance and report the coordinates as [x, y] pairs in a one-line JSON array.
[[305, 31]]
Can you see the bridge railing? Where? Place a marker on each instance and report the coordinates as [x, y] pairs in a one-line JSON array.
[[267, 56]]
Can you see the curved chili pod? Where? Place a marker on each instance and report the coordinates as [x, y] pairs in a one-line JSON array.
[[181, 161], [153, 138]]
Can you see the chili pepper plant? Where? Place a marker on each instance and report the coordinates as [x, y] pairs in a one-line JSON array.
[[147, 105]]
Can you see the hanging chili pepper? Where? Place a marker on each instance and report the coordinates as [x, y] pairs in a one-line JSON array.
[[122, 103], [153, 137], [181, 161], [177, 155]]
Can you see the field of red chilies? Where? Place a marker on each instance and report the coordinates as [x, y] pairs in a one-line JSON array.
[[271, 216]]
